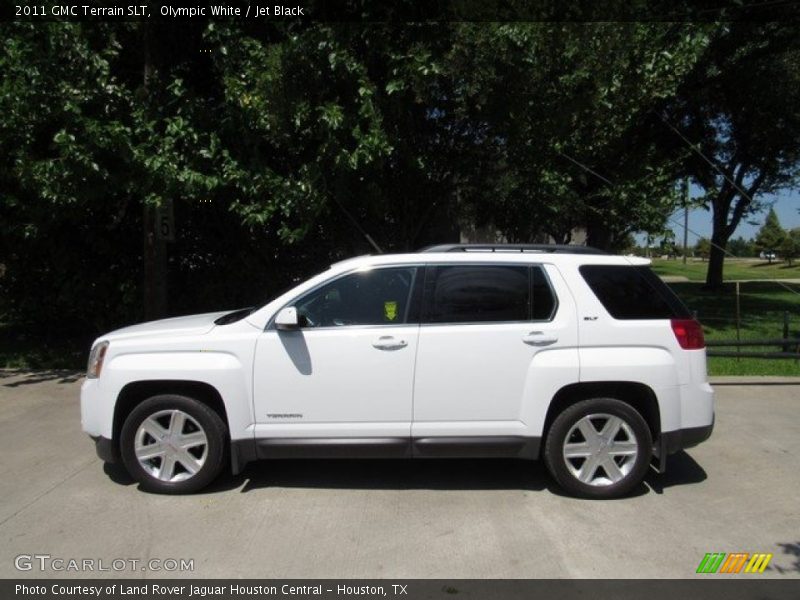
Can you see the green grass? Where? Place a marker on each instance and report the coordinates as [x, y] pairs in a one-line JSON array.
[[735, 268], [762, 306]]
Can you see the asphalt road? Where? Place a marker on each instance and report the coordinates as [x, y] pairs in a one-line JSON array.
[[739, 492]]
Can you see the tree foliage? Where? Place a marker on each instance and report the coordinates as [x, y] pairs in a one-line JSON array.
[[789, 248], [771, 235], [281, 146], [566, 116], [703, 248], [742, 248], [740, 111]]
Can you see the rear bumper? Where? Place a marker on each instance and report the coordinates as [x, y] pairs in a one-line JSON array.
[[675, 441], [106, 449]]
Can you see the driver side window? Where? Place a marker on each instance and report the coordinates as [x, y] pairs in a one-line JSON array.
[[373, 297]]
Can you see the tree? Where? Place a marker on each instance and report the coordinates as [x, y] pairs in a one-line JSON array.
[[64, 178], [280, 135], [789, 248], [740, 113], [741, 247], [565, 114], [334, 122], [322, 133], [771, 235], [85, 150], [702, 248]]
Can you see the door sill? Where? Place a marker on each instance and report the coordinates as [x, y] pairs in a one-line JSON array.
[[389, 447]]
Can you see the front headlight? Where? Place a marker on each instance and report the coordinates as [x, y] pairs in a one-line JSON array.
[[96, 357]]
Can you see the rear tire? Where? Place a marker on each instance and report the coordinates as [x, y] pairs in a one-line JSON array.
[[599, 448], [173, 444]]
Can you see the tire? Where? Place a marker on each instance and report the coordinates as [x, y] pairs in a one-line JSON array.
[[173, 444], [598, 448]]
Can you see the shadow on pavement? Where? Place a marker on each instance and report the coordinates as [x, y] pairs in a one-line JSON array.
[[477, 474], [118, 474], [374, 475], [792, 550], [428, 475], [682, 469], [28, 378], [397, 474]]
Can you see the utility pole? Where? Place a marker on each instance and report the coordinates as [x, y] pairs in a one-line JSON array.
[[685, 191], [155, 249]]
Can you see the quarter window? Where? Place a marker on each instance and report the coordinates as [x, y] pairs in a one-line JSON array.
[[373, 297], [633, 292]]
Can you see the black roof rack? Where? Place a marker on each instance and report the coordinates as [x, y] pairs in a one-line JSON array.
[[542, 248]]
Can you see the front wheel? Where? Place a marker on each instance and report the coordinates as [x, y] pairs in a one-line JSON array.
[[599, 448], [173, 444]]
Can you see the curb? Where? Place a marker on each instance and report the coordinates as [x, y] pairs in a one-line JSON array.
[[753, 380]]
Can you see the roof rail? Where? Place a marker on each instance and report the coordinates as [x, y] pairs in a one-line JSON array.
[[542, 248]]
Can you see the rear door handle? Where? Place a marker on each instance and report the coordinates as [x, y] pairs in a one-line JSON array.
[[388, 342], [539, 338]]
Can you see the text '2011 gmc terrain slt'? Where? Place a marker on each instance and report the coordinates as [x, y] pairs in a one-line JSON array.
[[586, 360]]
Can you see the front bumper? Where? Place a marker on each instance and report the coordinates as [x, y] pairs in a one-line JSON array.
[[97, 409]]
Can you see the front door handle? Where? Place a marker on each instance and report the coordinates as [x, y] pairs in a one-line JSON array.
[[388, 342], [539, 338]]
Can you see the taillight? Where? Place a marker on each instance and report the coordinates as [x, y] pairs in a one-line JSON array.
[[689, 334]]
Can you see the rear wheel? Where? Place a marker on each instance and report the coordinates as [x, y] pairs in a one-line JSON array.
[[599, 448], [173, 444]]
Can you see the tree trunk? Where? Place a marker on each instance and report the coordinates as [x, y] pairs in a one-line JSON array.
[[155, 268], [716, 260], [598, 235], [155, 248], [725, 222]]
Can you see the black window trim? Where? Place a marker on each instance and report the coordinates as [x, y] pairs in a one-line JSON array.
[[415, 296], [556, 302], [425, 300]]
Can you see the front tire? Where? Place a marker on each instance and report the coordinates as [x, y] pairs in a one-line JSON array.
[[599, 448], [173, 444]]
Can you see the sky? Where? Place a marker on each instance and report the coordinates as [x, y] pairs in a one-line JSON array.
[[786, 205]]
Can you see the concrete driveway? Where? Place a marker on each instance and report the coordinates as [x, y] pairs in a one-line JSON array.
[[739, 492]]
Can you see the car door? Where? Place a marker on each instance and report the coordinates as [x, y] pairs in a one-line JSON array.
[[347, 371], [482, 328]]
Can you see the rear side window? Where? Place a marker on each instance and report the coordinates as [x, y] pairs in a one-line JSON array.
[[477, 294], [629, 292], [487, 293]]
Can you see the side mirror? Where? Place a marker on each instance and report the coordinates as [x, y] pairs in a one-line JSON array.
[[287, 318]]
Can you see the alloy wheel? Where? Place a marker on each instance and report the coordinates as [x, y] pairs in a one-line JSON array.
[[600, 449], [171, 445]]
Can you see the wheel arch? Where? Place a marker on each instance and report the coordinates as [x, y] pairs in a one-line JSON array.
[[135, 392], [638, 395]]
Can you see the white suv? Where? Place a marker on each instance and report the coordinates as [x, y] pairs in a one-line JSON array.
[[585, 359]]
